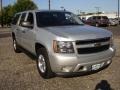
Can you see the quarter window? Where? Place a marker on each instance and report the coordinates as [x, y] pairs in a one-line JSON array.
[[22, 18], [15, 19]]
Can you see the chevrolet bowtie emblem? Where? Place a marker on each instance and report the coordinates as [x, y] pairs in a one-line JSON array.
[[97, 44]]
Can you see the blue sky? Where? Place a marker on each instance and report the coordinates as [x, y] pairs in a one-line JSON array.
[[75, 5]]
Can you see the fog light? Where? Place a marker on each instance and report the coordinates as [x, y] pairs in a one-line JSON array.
[[108, 62], [67, 69], [85, 69], [112, 49], [82, 68]]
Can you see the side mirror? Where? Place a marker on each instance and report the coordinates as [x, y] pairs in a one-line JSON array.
[[27, 24]]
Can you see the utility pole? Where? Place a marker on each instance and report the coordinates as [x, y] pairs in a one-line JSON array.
[[118, 11], [49, 4], [1, 13], [97, 10]]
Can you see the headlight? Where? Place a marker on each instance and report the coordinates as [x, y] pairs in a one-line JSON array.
[[63, 47], [111, 41]]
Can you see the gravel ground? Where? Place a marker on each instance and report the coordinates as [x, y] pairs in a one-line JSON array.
[[115, 30], [19, 72]]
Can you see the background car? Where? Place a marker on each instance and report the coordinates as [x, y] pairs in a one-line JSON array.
[[118, 20], [98, 21], [113, 22]]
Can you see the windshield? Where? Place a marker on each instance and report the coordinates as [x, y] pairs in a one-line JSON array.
[[45, 19]]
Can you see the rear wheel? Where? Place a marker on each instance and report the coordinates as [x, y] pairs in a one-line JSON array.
[[15, 46], [43, 64]]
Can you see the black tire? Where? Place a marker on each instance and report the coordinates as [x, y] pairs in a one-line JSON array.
[[16, 46], [47, 74]]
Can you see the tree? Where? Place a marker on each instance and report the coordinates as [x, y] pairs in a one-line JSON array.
[[7, 14], [19, 6], [23, 5]]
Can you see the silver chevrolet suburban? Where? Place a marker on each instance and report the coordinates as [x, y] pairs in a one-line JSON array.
[[62, 43]]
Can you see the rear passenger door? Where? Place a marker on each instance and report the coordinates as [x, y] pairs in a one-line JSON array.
[[15, 27], [28, 35]]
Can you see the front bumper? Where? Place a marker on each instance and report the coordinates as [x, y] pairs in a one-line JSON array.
[[73, 63], [67, 74]]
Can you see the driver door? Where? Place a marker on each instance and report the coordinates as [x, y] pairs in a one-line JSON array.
[[28, 33]]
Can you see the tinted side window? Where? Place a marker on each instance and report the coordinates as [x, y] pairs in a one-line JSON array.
[[104, 17], [94, 17], [89, 18], [99, 17], [15, 19], [22, 18], [30, 18]]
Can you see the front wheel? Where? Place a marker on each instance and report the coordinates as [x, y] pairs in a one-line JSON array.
[[43, 64]]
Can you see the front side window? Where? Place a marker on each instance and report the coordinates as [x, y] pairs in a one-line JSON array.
[[89, 18], [46, 19], [30, 18]]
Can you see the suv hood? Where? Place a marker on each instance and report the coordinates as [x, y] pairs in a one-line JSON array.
[[79, 32]]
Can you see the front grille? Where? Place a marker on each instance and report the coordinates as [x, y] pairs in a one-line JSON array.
[[80, 42], [92, 46], [92, 49]]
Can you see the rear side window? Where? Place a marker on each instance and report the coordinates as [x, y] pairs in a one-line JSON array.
[[94, 17], [104, 17], [22, 18], [15, 19], [98, 17]]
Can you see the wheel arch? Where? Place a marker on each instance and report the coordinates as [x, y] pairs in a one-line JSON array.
[[13, 35], [38, 46]]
